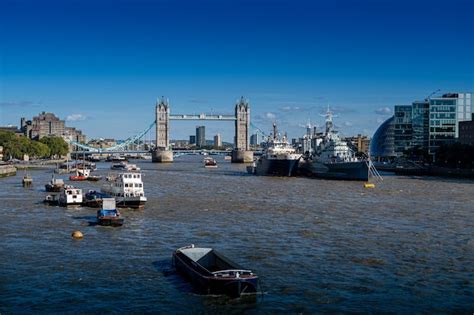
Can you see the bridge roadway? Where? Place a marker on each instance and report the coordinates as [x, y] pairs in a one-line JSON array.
[[202, 117], [175, 152]]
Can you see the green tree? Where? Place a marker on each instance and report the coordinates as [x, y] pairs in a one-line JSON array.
[[39, 150], [57, 145], [13, 147]]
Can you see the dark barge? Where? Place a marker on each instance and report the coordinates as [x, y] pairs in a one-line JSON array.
[[212, 273]]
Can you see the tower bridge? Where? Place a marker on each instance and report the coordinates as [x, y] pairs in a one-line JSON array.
[[241, 152], [162, 152]]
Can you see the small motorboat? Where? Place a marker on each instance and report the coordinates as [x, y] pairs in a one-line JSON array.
[[54, 185], [80, 175], [210, 162], [27, 180], [77, 178], [94, 198], [109, 215], [212, 273]]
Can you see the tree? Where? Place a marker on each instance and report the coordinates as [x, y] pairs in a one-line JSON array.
[[39, 150], [57, 145]]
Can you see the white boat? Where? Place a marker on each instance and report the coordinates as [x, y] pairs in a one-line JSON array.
[[124, 166], [210, 162], [127, 189], [70, 196], [279, 158], [83, 172]]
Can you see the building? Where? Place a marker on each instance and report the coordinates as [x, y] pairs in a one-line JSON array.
[[179, 144], [466, 131], [382, 146], [445, 114], [200, 136], [256, 139], [43, 125], [362, 143], [421, 124], [403, 129], [217, 141], [192, 140]]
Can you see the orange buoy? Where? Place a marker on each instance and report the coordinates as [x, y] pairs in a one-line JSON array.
[[77, 235]]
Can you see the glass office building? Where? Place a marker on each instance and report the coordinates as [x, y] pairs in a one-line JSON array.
[[421, 124], [382, 144], [445, 114], [403, 131]]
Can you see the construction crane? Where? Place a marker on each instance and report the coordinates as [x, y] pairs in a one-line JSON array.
[[428, 97]]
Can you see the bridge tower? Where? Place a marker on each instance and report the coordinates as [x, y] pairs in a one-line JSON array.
[[162, 152], [241, 153]]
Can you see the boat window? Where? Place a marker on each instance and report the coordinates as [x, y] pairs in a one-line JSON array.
[[126, 185], [134, 176], [138, 176]]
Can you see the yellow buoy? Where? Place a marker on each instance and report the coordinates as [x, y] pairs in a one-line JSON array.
[[369, 185], [77, 235]]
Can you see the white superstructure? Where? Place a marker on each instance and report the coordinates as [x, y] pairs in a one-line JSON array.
[[127, 189], [70, 196]]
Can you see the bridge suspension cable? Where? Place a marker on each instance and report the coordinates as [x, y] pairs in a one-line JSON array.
[[116, 147]]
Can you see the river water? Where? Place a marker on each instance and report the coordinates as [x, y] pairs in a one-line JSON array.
[[317, 245]]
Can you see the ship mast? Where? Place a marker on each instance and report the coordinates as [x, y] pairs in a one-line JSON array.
[[328, 121], [274, 132]]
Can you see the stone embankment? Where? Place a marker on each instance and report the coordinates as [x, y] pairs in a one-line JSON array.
[[7, 170]]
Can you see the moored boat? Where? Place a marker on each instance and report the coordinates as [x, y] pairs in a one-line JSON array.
[[94, 198], [94, 178], [279, 158], [333, 158], [81, 175], [212, 273], [54, 185], [70, 196], [127, 189], [124, 166], [27, 180], [51, 199], [109, 215]]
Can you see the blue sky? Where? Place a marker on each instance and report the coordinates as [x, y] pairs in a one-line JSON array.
[[102, 64]]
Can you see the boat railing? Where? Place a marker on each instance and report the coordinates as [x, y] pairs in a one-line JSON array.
[[235, 272], [185, 247]]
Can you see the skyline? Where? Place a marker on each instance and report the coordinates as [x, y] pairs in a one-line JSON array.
[[100, 64]]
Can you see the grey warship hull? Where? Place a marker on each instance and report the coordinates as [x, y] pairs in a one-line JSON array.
[[339, 170], [276, 167]]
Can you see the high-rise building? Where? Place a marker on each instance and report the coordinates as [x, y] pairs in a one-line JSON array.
[[200, 136], [217, 141], [421, 124], [192, 139], [445, 114], [403, 131], [255, 139]]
